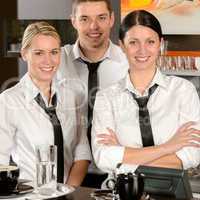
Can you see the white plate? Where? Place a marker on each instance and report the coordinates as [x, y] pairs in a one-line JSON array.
[[62, 190]]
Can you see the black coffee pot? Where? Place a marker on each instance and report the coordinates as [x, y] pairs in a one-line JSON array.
[[129, 186]]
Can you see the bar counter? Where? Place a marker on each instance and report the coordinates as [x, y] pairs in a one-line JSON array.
[[83, 193]]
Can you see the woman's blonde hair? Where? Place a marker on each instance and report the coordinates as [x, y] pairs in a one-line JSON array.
[[38, 28]]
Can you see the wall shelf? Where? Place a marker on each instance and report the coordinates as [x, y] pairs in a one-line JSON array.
[[182, 73], [13, 54]]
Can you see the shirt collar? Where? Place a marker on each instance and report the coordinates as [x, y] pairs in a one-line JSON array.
[[77, 54], [109, 54], [159, 79], [31, 90], [112, 53]]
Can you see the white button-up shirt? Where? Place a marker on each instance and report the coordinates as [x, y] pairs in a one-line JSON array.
[[113, 68], [174, 102], [24, 125]]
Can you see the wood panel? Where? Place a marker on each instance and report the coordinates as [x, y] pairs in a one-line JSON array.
[[8, 9], [183, 53]]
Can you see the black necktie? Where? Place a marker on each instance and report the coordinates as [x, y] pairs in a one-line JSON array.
[[92, 90], [58, 135], [144, 118]]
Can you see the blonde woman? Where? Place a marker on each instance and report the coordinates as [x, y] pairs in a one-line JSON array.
[[24, 123]]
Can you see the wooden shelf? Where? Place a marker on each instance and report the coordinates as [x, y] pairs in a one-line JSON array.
[[13, 54], [182, 73], [183, 53]]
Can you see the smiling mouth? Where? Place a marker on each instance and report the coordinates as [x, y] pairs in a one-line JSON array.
[[142, 59], [47, 69], [94, 35]]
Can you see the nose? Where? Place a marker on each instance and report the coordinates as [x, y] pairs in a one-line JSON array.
[[47, 59], [142, 48], [94, 24]]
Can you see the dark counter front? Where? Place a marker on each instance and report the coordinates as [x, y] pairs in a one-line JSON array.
[[81, 193], [84, 193]]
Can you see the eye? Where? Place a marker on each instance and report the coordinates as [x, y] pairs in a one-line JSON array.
[[38, 53], [151, 41], [102, 17], [83, 19], [132, 42], [55, 51]]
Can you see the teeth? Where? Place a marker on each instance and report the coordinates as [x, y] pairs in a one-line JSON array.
[[47, 69], [94, 35], [141, 59]]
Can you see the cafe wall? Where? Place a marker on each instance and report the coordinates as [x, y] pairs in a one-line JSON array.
[[180, 25], [15, 15], [20, 14]]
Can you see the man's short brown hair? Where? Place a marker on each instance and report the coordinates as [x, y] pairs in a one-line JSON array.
[[75, 3]]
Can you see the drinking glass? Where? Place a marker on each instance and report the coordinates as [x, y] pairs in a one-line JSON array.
[[179, 65], [163, 55], [46, 169]]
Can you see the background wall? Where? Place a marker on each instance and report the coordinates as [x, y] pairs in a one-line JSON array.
[[15, 15], [44, 9], [8, 66]]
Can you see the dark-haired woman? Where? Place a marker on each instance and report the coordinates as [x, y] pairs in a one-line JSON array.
[[158, 133]]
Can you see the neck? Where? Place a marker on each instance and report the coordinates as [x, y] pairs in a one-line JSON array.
[[94, 54], [44, 87], [141, 79]]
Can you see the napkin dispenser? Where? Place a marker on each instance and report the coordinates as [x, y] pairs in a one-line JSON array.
[[166, 182]]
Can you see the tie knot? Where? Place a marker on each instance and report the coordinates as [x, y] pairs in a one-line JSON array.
[[41, 102], [92, 66], [142, 101]]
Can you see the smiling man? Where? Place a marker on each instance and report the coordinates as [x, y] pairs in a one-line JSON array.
[[93, 62]]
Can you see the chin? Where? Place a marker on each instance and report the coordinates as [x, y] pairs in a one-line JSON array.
[[142, 67], [97, 44], [48, 75], [46, 78]]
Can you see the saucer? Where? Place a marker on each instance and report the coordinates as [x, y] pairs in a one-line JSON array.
[[62, 190], [22, 189]]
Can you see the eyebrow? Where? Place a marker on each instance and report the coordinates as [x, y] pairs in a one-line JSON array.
[[45, 50], [101, 14], [104, 14], [134, 38]]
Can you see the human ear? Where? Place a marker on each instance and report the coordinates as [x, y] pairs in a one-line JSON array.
[[24, 54], [112, 19], [73, 21], [121, 44]]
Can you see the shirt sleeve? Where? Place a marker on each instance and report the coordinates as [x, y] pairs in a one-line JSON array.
[[189, 111], [106, 157], [6, 130]]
